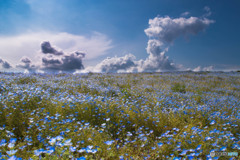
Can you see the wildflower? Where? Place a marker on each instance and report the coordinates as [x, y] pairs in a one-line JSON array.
[[52, 141], [39, 151], [109, 142], [223, 149], [67, 142], [160, 144], [212, 122], [3, 142], [11, 152]]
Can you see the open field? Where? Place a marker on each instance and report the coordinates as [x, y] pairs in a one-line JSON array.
[[119, 116]]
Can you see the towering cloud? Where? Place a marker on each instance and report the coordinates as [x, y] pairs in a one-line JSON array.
[[162, 32]]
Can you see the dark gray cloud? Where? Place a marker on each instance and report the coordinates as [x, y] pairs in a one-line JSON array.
[[26, 63], [48, 49], [5, 64], [53, 60], [61, 62]]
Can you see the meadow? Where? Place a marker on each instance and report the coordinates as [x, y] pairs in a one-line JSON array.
[[176, 116]]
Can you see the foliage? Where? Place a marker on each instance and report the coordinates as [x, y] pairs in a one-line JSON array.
[[178, 87]]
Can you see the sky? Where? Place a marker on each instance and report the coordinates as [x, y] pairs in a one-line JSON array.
[[119, 36]]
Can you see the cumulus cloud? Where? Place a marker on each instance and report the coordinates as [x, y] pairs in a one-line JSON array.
[[115, 64], [166, 29], [48, 49], [162, 31], [5, 64], [66, 62], [50, 59], [26, 63], [200, 69]]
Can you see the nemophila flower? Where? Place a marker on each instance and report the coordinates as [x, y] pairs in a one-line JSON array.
[[177, 158], [129, 134], [191, 157], [11, 145], [39, 152], [212, 122], [72, 149], [52, 141], [184, 152], [82, 150], [208, 138], [223, 149], [11, 152], [3, 142], [13, 140], [109, 142], [199, 147], [81, 158], [50, 150], [14, 158], [160, 144]]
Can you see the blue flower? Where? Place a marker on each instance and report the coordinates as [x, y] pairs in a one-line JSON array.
[[13, 140], [198, 147], [109, 142], [11, 152], [39, 151], [14, 158], [212, 122], [223, 149], [160, 144], [72, 149], [3, 142], [67, 142]]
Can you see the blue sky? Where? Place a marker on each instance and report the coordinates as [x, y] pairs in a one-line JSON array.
[[120, 25]]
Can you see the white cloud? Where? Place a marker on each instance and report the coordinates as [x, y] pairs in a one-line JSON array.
[[167, 29], [162, 31], [199, 69], [126, 63], [185, 14], [15, 47]]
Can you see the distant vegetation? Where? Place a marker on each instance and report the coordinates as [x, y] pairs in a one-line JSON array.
[[119, 116]]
